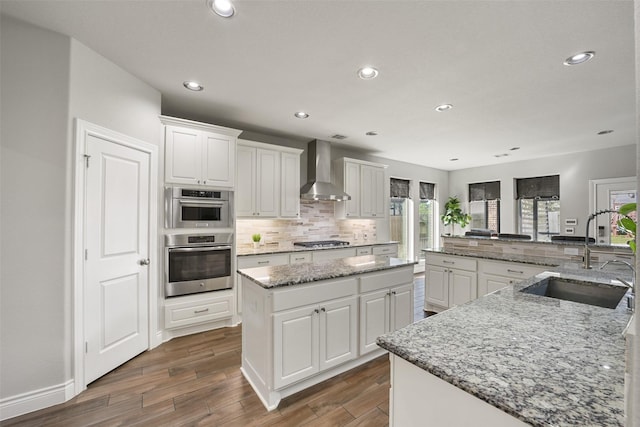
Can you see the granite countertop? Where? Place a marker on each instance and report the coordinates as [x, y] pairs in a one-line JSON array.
[[296, 274], [288, 247], [510, 257], [557, 242], [544, 361]]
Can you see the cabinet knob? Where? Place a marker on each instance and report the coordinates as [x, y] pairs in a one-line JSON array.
[[393, 292], [323, 309], [316, 311]]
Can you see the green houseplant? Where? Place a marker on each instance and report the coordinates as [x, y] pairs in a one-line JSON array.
[[453, 214], [256, 239], [627, 224]]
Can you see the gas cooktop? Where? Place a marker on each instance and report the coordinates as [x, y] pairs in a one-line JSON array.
[[321, 244]]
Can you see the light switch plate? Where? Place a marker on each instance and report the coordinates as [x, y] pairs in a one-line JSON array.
[[473, 243]]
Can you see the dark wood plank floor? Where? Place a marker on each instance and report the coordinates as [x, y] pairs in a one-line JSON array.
[[196, 381]]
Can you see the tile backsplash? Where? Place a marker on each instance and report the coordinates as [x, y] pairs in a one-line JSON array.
[[316, 222]]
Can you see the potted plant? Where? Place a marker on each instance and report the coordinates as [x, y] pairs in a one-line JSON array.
[[453, 214], [627, 224], [256, 240]]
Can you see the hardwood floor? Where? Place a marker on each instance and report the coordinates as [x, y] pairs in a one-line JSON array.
[[196, 381]]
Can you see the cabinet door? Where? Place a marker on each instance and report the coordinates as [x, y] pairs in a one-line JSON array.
[[268, 182], [295, 345], [338, 332], [374, 319], [218, 160], [463, 287], [372, 192], [290, 185], [183, 155], [401, 307], [436, 290], [488, 283], [245, 183], [352, 188]]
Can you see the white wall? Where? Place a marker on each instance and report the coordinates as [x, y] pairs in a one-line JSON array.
[[66, 80], [575, 171]]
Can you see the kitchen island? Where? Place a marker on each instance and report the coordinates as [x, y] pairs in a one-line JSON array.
[[512, 358], [304, 323]]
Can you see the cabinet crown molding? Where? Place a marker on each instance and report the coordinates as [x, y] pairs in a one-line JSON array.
[[264, 145], [166, 120]]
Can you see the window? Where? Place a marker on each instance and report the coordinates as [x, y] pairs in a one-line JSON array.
[[426, 212], [400, 217], [539, 206], [484, 205]]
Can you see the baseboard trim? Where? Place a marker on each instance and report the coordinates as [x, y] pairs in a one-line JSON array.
[[35, 400]]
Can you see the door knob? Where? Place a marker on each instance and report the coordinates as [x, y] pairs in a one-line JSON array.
[[144, 261]]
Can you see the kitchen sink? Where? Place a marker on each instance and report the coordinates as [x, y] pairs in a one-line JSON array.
[[592, 293]]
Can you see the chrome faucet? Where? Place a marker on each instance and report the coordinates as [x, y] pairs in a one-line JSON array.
[[587, 251], [631, 299]]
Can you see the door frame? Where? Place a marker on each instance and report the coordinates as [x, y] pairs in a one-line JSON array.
[[593, 187], [83, 129]]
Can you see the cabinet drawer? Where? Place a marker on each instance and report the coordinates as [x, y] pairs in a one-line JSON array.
[[325, 254], [385, 250], [374, 281], [314, 293], [262, 260], [461, 263], [297, 258], [193, 312], [365, 250], [509, 269]]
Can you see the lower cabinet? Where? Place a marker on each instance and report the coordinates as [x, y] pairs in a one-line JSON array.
[[296, 336], [313, 338], [494, 275], [196, 309], [449, 281], [382, 312]]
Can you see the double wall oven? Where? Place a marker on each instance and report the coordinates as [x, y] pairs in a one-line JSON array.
[[201, 262]]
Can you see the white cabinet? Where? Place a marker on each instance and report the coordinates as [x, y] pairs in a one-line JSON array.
[[449, 281], [195, 309], [367, 185], [494, 275], [386, 305], [268, 182], [300, 257], [289, 185], [256, 261], [199, 154], [313, 338]]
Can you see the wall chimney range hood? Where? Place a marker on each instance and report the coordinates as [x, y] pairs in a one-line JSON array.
[[319, 186]]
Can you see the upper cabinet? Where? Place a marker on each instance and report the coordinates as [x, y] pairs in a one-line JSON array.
[[268, 181], [366, 183], [199, 153]]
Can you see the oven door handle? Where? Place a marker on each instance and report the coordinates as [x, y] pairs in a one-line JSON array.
[[201, 249], [201, 202]]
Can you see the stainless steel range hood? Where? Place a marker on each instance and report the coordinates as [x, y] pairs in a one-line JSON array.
[[319, 186]]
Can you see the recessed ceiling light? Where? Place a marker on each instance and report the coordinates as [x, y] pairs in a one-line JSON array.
[[579, 58], [301, 115], [194, 86], [367, 73], [443, 107], [454, 159], [514, 148], [371, 133], [222, 8], [604, 132]]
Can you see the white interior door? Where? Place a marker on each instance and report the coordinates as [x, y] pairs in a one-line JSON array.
[[611, 194], [116, 272]]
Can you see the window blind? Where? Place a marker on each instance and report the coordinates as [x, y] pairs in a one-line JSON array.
[[543, 187], [482, 191], [427, 191], [400, 188]]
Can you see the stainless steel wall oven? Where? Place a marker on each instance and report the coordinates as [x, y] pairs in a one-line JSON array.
[[197, 208], [198, 263]]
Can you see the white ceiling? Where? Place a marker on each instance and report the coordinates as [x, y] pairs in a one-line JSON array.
[[498, 62]]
